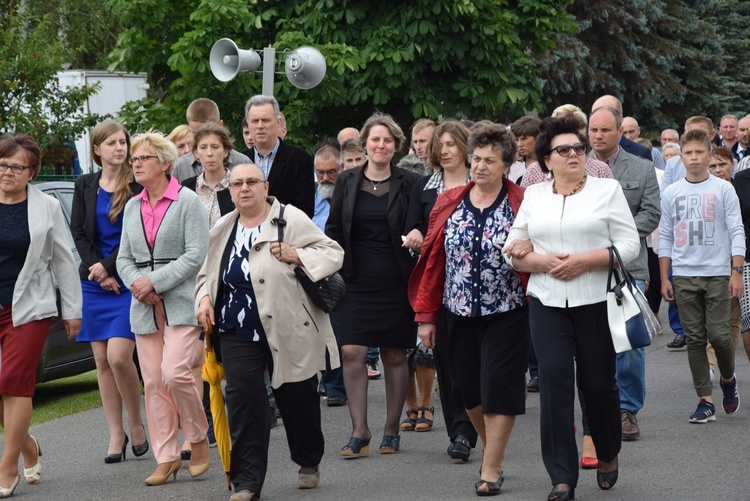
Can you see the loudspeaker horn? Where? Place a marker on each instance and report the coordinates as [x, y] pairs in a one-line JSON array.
[[227, 60], [305, 67]]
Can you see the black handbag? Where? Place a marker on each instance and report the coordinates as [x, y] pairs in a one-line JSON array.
[[325, 294]]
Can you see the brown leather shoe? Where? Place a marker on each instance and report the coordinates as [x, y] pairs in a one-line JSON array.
[[630, 430]]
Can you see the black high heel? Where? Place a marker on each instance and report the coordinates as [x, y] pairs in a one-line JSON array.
[[117, 458], [140, 450], [566, 495], [607, 480]]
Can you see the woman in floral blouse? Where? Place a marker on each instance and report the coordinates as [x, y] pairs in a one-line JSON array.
[[462, 269]]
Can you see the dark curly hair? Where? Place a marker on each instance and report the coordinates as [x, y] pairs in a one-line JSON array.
[[553, 127], [496, 135]]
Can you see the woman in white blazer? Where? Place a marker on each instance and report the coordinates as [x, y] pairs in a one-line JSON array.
[[571, 221], [34, 243]]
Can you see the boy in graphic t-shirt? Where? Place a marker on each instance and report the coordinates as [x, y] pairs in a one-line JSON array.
[[701, 232]]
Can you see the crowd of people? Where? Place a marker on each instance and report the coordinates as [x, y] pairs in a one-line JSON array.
[[478, 257]]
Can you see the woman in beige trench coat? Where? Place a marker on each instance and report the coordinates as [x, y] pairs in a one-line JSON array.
[[247, 288]]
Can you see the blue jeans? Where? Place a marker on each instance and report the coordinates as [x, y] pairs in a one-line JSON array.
[[333, 379], [631, 374], [373, 354]]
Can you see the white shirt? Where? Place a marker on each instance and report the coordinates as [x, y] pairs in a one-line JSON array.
[[595, 218]]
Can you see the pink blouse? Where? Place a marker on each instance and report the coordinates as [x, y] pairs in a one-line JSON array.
[[152, 218]]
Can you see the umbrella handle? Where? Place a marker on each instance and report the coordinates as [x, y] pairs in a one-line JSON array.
[[208, 333]]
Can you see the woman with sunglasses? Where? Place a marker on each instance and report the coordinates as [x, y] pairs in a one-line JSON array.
[[571, 221]]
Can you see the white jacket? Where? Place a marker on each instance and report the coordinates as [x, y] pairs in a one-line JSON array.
[[34, 294], [595, 218]]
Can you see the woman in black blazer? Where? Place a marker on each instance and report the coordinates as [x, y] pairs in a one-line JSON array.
[[368, 212], [96, 225]]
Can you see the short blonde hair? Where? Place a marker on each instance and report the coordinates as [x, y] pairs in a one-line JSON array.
[[570, 109], [178, 133], [155, 141]]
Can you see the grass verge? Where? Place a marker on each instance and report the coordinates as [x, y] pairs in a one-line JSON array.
[[66, 396]]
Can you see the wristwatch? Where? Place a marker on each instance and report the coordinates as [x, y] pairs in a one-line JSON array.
[[738, 268]]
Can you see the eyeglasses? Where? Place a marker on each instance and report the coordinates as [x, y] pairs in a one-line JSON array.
[[142, 159], [251, 181], [15, 168], [564, 149], [330, 172]]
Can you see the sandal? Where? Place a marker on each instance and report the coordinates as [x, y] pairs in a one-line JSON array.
[[356, 448], [493, 488], [410, 422], [424, 424], [390, 444]]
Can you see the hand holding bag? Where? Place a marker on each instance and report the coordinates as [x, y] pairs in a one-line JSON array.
[[325, 294], [631, 321]]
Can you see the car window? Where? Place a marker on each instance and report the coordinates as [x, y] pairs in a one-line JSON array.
[[65, 196]]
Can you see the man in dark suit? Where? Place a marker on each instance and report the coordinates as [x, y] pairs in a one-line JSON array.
[[638, 180], [626, 144], [288, 169]]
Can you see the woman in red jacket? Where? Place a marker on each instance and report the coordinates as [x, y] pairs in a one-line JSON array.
[[462, 270]]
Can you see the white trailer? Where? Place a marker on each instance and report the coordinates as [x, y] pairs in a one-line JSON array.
[[116, 90]]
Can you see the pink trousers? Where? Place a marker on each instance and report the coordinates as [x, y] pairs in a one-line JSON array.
[[166, 358]]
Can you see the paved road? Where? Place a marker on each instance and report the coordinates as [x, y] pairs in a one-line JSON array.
[[672, 460]]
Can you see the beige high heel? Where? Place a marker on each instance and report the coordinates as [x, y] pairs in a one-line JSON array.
[[161, 480], [34, 474], [199, 469]]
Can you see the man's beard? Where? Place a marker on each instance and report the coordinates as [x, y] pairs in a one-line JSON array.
[[325, 190]]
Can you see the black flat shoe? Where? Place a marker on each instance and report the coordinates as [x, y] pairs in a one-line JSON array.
[[493, 488], [460, 448], [563, 495], [117, 458]]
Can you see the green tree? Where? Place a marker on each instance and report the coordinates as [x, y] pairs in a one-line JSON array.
[[660, 57], [33, 102], [730, 21], [411, 59]]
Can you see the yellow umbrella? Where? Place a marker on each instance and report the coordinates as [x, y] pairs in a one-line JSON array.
[[213, 373]]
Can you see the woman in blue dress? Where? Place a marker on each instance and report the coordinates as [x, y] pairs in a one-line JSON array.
[[96, 224]]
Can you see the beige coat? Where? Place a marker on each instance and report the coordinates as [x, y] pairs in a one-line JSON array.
[[298, 333]]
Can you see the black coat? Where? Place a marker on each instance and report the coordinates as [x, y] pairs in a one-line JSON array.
[[224, 197], [291, 179], [339, 224], [741, 184], [83, 224]]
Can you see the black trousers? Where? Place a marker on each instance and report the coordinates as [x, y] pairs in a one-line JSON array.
[[457, 421], [562, 336], [250, 415]]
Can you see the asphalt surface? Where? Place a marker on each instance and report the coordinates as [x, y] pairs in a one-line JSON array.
[[672, 460]]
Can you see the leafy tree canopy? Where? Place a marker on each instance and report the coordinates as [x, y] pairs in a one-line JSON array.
[[663, 59], [411, 59], [33, 102]]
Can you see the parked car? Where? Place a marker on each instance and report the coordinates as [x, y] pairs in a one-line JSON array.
[[62, 357]]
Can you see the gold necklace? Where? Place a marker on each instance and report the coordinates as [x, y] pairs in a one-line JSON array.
[[375, 186]]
